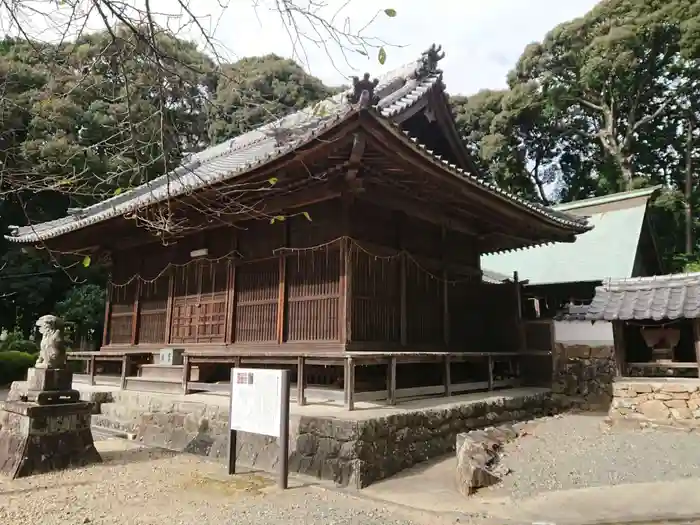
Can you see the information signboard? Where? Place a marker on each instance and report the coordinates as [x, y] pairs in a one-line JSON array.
[[260, 405], [256, 401]]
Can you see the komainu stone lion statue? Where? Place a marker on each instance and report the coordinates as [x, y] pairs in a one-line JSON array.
[[52, 351]]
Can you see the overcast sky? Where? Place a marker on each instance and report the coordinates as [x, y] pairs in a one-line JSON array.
[[482, 39]]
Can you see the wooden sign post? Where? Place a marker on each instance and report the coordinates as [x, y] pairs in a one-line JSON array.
[[260, 405]]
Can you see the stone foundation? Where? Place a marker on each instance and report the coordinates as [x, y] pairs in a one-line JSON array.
[[583, 376], [37, 439], [350, 452], [666, 401]]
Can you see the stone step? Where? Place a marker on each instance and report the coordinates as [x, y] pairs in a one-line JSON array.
[[170, 372], [162, 386]]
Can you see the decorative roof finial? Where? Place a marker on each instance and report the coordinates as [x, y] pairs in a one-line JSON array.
[[429, 60], [361, 86]]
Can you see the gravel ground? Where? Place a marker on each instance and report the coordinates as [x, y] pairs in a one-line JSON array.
[[150, 487], [577, 451]]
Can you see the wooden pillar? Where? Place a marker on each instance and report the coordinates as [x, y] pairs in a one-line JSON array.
[[522, 340], [282, 294], [137, 308], [126, 361], [448, 376], [445, 291], [169, 305], [92, 369], [620, 346], [108, 312], [489, 362], [696, 337], [186, 372], [391, 381], [345, 292], [301, 380], [349, 384], [230, 336], [404, 301]]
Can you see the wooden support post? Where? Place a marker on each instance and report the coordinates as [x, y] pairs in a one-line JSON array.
[[490, 367], [169, 306], [281, 299], [619, 345], [186, 371], [301, 379], [445, 289], [125, 369], [404, 303], [92, 370], [345, 299], [137, 310], [522, 342], [108, 315], [696, 334], [349, 384], [228, 329], [391, 381], [448, 376]]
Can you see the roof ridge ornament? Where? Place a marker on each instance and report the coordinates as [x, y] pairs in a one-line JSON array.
[[363, 91], [429, 60]]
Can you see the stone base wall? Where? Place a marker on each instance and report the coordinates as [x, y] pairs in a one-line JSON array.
[[583, 376], [352, 453], [671, 402]]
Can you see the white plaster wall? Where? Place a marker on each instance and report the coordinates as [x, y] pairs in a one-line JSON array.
[[583, 332]]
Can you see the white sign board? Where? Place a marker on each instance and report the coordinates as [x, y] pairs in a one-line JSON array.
[[256, 401]]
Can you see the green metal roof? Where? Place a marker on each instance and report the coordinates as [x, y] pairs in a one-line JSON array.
[[608, 251]]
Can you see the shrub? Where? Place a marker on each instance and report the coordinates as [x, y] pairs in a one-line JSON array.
[[15, 342], [14, 366]]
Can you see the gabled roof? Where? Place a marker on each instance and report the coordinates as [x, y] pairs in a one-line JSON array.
[[394, 94], [675, 296], [607, 251]]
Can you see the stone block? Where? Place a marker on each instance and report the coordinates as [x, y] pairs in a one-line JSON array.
[[654, 410], [53, 379], [681, 413], [679, 387], [676, 403], [38, 439]]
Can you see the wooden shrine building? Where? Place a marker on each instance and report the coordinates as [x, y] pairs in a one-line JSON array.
[[345, 235]]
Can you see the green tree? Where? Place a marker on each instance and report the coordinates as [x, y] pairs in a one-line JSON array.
[[258, 90]]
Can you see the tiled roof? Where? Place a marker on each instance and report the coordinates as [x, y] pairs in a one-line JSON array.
[[395, 93], [674, 296], [608, 251], [572, 312]]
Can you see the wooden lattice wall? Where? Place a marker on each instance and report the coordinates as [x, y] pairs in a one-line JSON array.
[[294, 280]]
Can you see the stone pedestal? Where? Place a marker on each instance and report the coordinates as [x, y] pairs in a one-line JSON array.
[[50, 385], [47, 428], [36, 439]]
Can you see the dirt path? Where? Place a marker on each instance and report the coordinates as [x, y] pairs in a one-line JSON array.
[[148, 487]]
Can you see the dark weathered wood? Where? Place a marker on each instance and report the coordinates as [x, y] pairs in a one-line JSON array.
[[92, 370], [169, 306], [186, 372], [404, 302], [696, 337], [489, 363], [281, 299], [125, 371], [447, 377], [619, 347], [301, 379], [137, 308], [391, 381], [349, 385], [108, 310]]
